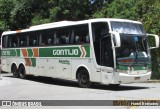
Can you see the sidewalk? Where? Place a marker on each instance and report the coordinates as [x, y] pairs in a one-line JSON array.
[[153, 81]]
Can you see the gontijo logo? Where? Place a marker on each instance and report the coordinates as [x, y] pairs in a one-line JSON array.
[[65, 52], [79, 51]]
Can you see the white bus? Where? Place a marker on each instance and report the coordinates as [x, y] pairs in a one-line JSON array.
[[104, 50]]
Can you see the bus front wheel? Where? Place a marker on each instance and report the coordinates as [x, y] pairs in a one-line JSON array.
[[83, 79], [22, 72], [15, 71]]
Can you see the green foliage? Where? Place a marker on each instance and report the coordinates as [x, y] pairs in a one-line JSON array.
[[54, 13], [125, 9], [38, 19], [149, 15], [5, 12], [70, 10], [21, 14]]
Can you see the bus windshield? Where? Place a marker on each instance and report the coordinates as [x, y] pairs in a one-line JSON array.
[[132, 46], [133, 53], [127, 27]]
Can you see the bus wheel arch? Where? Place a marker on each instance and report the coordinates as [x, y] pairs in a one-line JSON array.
[[14, 70], [22, 71], [83, 77]]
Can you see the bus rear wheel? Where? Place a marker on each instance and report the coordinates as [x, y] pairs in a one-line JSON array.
[[83, 78], [15, 71], [22, 72]]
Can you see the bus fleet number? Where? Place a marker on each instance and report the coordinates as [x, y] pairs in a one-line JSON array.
[[6, 53]]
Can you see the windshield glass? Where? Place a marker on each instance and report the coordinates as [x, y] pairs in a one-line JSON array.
[[131, 45], [127, 27], [133, 53]]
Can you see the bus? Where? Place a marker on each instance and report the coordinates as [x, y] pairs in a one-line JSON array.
[[105, 50]]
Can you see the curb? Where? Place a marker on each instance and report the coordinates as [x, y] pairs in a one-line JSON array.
[[153, 81]]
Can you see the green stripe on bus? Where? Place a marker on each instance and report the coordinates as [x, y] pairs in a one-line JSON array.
[[18, 52], [79, 51], [64, 52], [87, 48], [33, 60], [8, 52], [30, 52], [136, 67], [121, 67]]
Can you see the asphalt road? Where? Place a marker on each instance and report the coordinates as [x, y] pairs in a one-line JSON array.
[[42, 88]]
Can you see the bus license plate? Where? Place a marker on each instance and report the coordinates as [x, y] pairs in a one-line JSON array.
[[137, 78]]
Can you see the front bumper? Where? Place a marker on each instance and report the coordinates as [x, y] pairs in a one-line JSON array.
[[120, 78]]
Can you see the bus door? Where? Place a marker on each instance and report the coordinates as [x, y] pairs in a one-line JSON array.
[[106, 59], [103, 51]]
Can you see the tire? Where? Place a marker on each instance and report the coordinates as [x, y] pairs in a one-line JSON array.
[[83, 78], [22, 72], [15, 71]]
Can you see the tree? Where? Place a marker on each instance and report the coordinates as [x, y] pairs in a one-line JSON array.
[[150, 15], [70, 10], [125, 9], [5, 12], [21, 14]]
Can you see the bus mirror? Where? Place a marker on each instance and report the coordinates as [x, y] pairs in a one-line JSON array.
[[153, 41], [116, 39]]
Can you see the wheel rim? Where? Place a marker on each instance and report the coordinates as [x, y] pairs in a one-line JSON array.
[[84, 79], [14, 71], [22, 72]]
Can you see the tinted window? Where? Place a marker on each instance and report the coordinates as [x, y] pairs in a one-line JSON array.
[[23, 40], [57, 36], [101, 45], [127, 27], [46, 37], [33, 39], [13, 40], [80, 34]]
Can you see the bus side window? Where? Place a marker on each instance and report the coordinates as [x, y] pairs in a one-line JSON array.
[[42, 39], [49, 41], [22, 43], [72, 37], [33, 39], [62, 37], [47, 37], [34, 42], [14, 41], [54, 39], [81, 34], [57, 40], [67, 40], [23, 40], [87, 39], [6, 42]]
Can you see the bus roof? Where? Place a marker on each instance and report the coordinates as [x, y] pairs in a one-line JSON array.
[[67, 23]]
